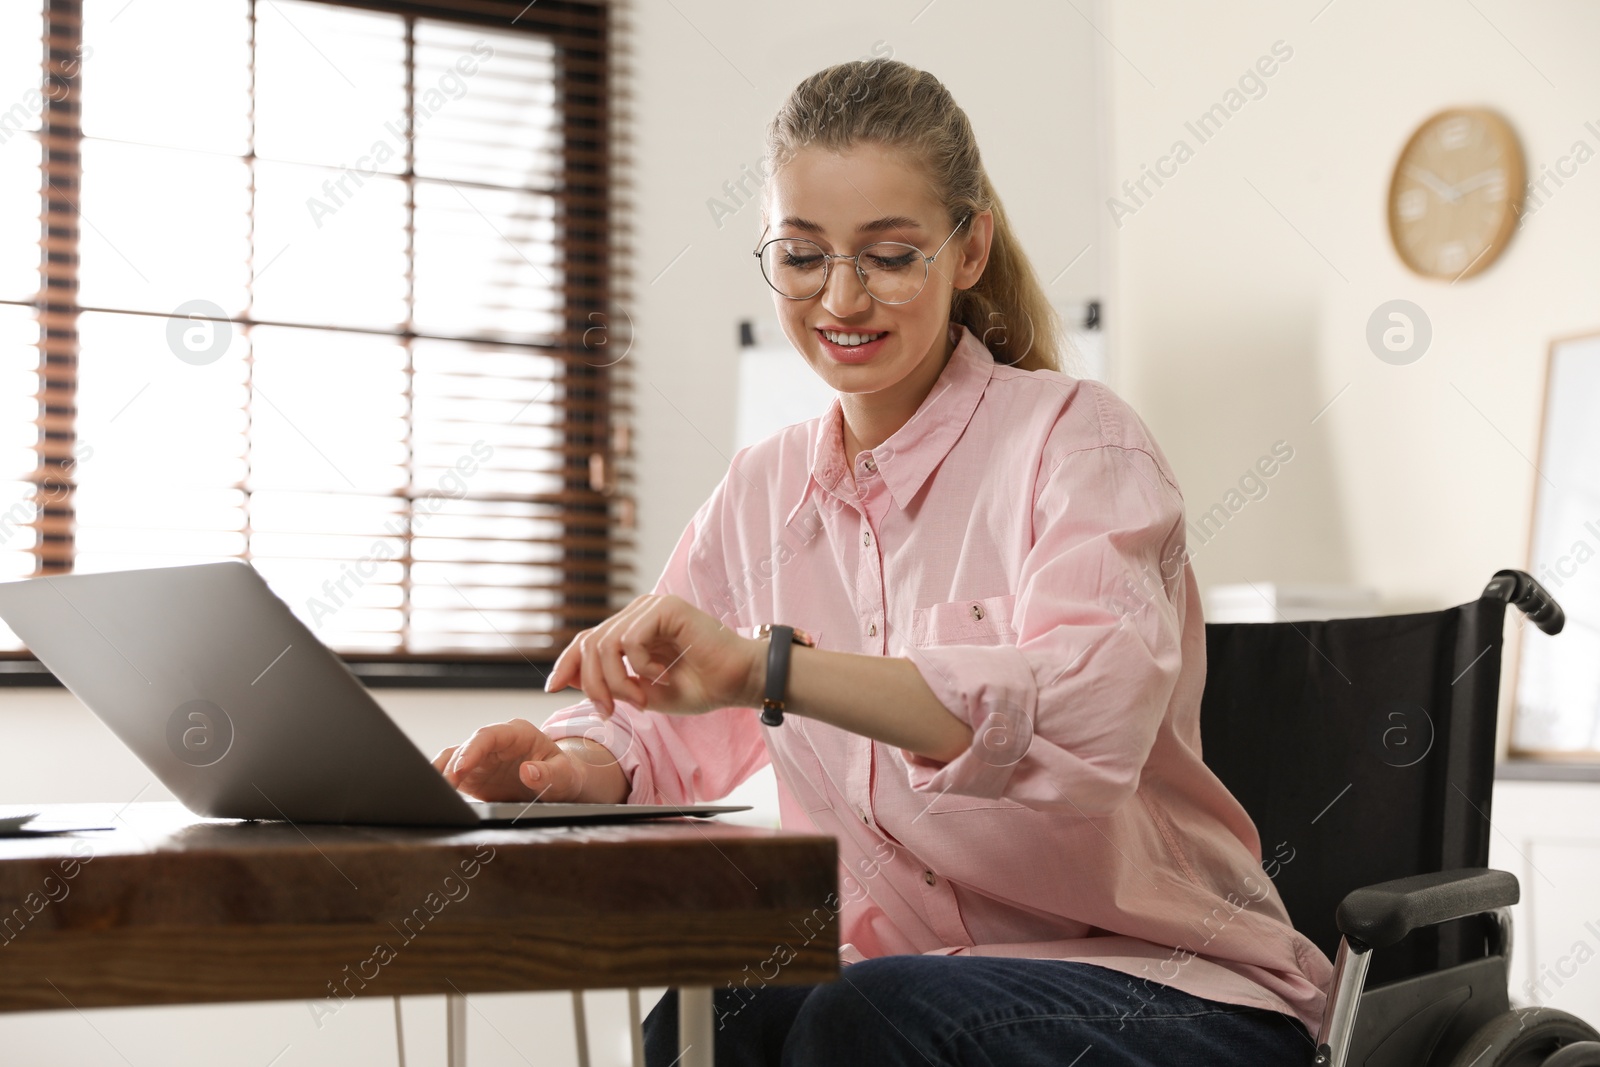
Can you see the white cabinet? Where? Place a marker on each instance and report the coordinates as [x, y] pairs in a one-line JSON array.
[[1548, 835]]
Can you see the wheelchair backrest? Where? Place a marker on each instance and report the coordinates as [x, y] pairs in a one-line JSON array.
[[1363, 749]]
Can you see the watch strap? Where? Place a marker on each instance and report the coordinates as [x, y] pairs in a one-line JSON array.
[[778, 649]]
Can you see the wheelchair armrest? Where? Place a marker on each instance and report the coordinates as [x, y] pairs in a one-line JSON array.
[[1378, 916]]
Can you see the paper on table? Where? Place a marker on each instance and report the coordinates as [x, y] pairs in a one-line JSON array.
[[12, 823], [24, 825]]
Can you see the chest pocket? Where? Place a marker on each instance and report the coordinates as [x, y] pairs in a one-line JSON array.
[[980, 621], [976, 621]]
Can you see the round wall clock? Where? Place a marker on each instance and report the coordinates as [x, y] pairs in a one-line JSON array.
[[1456, 193]]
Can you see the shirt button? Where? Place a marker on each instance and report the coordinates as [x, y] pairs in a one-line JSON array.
[[872, 631], [977, 611], [863, 813], [867, 463], [927, 876], [866, 539]]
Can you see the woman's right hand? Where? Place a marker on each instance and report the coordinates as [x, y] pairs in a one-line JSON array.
[[517, 761]]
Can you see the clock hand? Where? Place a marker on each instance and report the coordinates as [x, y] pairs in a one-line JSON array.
[[1477, 181], [1440, 188]]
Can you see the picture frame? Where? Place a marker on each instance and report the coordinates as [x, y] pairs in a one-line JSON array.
[[1556, 697]]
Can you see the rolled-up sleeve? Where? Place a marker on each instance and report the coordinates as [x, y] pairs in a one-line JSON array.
[[678, 759], [1066, 717]]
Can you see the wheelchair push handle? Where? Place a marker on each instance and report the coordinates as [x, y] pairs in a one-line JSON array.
[[1524, 591]]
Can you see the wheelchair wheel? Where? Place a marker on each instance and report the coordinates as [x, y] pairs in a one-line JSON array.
[[1523, 1037], [1583, 1054]]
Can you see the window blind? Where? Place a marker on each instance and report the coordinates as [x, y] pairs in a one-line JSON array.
[[323, 286]]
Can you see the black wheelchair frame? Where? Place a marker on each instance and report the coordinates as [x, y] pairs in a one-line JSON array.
[[1368, 744]]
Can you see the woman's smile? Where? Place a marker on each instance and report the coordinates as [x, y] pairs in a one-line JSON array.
[[851, 346]]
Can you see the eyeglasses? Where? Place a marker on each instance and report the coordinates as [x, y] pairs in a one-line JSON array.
[[892, 272]]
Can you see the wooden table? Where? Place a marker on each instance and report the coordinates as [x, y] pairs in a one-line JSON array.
[[168, 908]]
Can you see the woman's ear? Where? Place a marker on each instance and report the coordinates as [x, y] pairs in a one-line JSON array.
[[973, 250]]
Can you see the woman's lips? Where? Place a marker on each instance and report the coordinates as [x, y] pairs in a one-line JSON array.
[[854, 353]]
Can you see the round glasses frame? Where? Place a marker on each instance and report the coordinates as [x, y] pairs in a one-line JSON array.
[[829, 257]]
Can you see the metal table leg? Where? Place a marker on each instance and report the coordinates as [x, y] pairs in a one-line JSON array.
[[580, 1027], [695, 1026], [455, 1030], [635, 1028]]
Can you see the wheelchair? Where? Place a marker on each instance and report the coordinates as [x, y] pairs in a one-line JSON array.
[[1363, 749]]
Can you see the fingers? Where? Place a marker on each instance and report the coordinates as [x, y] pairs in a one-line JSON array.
[[561, 674], [557, 779], [604, 676], [594, 676], [647, 622], [618, 680], [633, 646], [594, 661], [638, 618], [443, 758], [486, 751], [515, 761], [466, 755], [568, 669]]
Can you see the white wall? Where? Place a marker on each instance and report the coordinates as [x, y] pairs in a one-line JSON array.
[[1242, 288]]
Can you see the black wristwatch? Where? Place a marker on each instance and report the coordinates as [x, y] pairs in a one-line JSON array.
[[782, 639]]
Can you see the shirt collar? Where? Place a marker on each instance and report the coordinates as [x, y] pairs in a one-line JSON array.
[[912, 452]]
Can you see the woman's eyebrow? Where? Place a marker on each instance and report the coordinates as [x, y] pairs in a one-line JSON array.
[[890, 222]]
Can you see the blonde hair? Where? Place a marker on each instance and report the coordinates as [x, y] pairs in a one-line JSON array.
[[887, 102]]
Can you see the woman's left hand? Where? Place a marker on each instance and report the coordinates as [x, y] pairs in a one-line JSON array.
[[663, 654]]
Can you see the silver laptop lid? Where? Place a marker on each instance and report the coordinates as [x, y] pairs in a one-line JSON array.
[[227, 697]]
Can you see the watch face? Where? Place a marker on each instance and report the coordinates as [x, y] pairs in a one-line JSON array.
[[1456, 193]]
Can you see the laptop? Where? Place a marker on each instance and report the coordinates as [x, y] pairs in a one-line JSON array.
[[241, 712]]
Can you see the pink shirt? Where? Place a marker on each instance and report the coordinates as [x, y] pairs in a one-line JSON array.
[[1032, 537]]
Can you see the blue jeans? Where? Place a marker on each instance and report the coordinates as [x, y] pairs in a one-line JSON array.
[[983, 1011]]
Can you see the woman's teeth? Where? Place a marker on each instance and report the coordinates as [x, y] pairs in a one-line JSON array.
[[850, 340]]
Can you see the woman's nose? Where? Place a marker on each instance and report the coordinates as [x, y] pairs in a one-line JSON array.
[[843, 294]]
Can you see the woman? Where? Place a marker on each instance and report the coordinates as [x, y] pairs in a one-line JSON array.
[[999, 720]]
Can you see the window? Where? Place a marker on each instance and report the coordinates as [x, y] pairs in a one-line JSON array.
[[324, 287]]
